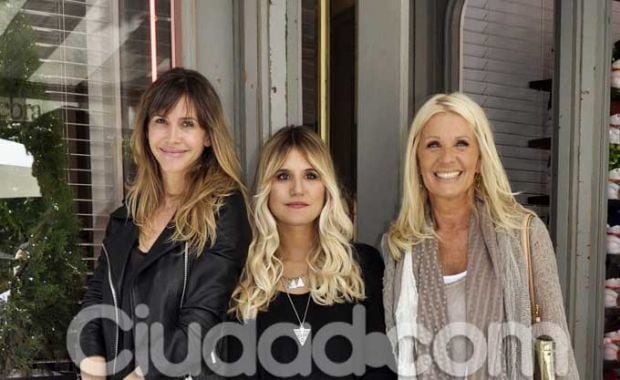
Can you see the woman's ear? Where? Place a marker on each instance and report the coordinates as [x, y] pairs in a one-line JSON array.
[[207, 142]]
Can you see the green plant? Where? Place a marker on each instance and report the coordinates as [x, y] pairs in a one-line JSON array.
[[44, 298]]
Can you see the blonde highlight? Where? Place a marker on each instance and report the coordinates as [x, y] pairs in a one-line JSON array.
[[215, 175]]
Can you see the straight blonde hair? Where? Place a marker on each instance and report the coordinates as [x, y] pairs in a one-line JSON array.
[[411, 225], [215, 175], [334, 276]]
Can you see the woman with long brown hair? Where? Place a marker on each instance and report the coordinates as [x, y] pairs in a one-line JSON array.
[[173, 253]]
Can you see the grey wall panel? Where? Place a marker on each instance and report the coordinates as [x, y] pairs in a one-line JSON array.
[[383, 108], [215, 49], [581, 93]]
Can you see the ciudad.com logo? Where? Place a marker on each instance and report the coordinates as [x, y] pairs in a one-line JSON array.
[[151, 353]]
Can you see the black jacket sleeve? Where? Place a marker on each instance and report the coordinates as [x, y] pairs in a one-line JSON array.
[[212, 278], [378, 347], [91, 337]]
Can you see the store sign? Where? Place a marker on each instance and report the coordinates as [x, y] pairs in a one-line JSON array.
[[24, 109]]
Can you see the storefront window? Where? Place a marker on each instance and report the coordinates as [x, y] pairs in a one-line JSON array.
[[90, 61], [71, 73]]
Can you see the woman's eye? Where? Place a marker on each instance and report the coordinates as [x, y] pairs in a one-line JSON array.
[[187, 124], [312, 175], [159, 120], [462, 143], [432, 144], [282, 176]]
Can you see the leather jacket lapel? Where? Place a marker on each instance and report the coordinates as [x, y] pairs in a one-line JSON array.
[[124, 239], [162, 246], [119, 246]]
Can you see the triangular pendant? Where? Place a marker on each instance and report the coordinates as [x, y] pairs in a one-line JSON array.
[[302, 334], [295, 283]]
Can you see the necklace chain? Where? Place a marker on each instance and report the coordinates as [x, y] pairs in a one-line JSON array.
[[301, 321], [295, 277]]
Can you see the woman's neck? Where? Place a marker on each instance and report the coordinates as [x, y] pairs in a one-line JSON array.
[[174, 185], [296, 242], [451, 215]]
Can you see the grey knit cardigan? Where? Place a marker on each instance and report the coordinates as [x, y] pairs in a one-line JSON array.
[[548, 291]]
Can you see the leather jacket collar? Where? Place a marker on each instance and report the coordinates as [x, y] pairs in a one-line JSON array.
[[120, 242]]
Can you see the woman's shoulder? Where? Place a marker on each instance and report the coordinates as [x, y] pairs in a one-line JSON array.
[[233, 210], [233, 228], [120, 213], [539, 236], [121, 216], [234, 200], [536, 224], [368, 257]]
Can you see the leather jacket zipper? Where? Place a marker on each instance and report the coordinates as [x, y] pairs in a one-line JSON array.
[[116, 316], [185, 270]]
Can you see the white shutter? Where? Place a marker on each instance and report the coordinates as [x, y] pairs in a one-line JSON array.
[[95, 62], [507, 44]]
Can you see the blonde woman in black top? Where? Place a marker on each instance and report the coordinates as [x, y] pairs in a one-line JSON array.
[[304, 270]]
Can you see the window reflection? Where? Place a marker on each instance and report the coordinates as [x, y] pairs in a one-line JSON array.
[[71, 73]]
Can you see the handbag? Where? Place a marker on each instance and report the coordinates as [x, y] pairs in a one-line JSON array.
[[544, 347]]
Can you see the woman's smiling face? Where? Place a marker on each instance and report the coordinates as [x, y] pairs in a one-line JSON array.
[[176, 139], [448, 157]]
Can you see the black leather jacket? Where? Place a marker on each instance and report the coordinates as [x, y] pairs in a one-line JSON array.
[[179, 289]]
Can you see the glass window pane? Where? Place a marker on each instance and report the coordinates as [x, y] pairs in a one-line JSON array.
[[71, 70]]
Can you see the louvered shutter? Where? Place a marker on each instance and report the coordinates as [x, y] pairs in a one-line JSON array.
[[507, 44], [95, 62]]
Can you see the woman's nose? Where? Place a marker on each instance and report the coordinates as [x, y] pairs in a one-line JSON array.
[[447, 155], [297, 186], [173, 132]]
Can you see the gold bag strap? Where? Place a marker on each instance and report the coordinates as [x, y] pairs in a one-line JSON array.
[[525, 243]]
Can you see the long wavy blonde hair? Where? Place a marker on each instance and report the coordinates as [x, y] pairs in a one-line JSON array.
[[411, 225], [214, 175], [334, 275]]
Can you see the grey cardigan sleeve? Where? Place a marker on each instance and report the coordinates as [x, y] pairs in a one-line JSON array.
[[391, 289], [549, 296]]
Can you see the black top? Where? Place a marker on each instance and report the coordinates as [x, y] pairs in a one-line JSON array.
[[290, 356]]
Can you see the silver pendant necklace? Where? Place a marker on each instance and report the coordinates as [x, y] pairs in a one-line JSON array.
[[291, 283], [302, 332]]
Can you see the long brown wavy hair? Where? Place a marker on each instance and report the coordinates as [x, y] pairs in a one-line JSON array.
[[214, 175]]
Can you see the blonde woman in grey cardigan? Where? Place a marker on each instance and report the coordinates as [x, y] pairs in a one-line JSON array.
[[456, 276]]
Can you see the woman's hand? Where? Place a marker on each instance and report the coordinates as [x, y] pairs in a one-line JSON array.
[[93, 368]]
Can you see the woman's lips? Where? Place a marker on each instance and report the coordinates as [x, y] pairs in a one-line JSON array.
[[172, 152], [297, 205]]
